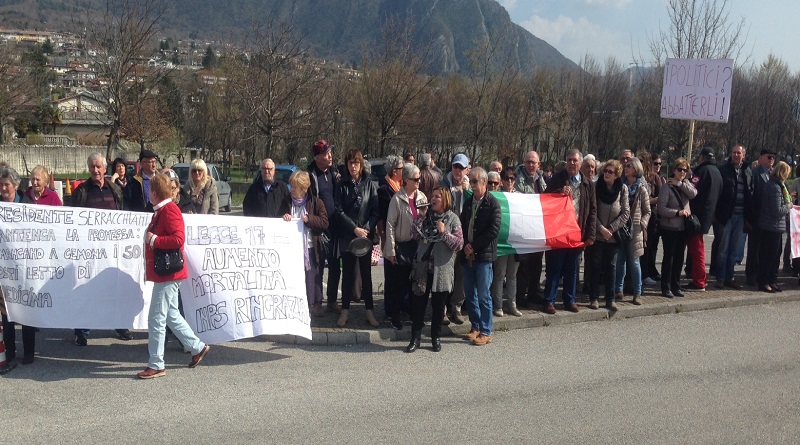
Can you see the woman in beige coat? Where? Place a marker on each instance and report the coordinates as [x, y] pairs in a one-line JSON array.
[[400, 248], [630, 251]]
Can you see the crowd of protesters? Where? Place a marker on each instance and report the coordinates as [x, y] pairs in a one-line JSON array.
[[438, 232]]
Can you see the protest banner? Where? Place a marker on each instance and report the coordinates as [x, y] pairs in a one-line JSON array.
[[246, 278], [63, 267], [697, 89], [535, 223]]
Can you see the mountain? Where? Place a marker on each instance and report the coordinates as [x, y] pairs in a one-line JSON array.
[[337, 29]]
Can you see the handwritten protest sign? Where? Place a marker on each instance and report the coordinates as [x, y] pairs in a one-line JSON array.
[[67, 267], [697, 89], [246, 278], [63, 267]]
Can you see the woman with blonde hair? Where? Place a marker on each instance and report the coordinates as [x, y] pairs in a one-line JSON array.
[[39, 191], [202, 189], [302, 205], [775, 205]]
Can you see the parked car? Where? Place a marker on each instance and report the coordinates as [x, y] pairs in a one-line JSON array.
[[223, 188]]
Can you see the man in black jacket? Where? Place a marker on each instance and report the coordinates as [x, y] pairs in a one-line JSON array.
[[264, 199], [480, 220], [766, 162], [734, 197], [324, 178], [708, 182]]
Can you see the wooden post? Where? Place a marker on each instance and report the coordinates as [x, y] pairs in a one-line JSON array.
[[691, 141]]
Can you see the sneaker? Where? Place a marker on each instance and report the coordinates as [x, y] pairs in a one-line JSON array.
[[692, 287], [150, 373], [482, 340], [649, 282], [197, 358], [80, 340]]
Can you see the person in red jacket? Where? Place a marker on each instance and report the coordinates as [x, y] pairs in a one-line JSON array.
[[166, 232]]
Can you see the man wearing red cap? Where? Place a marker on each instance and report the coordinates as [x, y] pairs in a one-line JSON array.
[[324, 178]]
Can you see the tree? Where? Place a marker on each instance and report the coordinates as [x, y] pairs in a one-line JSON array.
[[278, 94], [16, 90], [390, 84], [210, 58], [124, 35]]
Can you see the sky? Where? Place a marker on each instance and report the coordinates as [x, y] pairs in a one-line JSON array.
[[619, 28]]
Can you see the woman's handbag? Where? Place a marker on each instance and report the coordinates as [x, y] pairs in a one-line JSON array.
[[405, 252], [623, 234], [167, 262], [691, 224], [419, 273]]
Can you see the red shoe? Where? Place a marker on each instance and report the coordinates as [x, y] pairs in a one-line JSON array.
[[197, 358], [150, 373]]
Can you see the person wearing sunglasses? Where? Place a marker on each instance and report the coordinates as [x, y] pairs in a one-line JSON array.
[[400, 248], [761, 172], [613, 212], [628, 257], [202, 189], [673, 206], [494, 181], [504, 268], [652, 175]]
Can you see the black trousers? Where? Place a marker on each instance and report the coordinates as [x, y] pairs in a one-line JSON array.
[[397, 288], [753, 246], [604, 263], [649, 268], [528, 276], [674, 242], [419, 304], [10, 339], [769, 257], [334, 274]]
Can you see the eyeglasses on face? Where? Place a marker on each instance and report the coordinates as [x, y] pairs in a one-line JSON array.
[[681, 169], [414, 179], [457, 167], [473, 181], [494, 183], [609, 171], [510, 178], [197, 170], [771, 158], [657, 163]]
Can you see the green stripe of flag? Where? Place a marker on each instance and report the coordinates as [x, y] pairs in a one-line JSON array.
[[503, 248]]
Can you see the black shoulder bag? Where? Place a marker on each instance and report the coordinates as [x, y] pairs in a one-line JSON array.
[[691, 224], [166, 262]]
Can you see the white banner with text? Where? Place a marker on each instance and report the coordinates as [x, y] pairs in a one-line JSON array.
[[63, 267]]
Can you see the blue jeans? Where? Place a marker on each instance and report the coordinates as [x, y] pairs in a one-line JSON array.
[[477, 280], [624, 258], [729, 246], [561, 263], [164, 312]]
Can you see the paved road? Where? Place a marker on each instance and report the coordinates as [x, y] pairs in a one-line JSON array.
[[723, 376]]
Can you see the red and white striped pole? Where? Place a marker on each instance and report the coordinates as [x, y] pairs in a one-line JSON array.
[[4, 365]]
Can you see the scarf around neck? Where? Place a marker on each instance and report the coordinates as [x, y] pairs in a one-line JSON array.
[[606, 194], [395, 185]]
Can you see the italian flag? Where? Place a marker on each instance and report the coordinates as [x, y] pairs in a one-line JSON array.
[[535, 223]]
